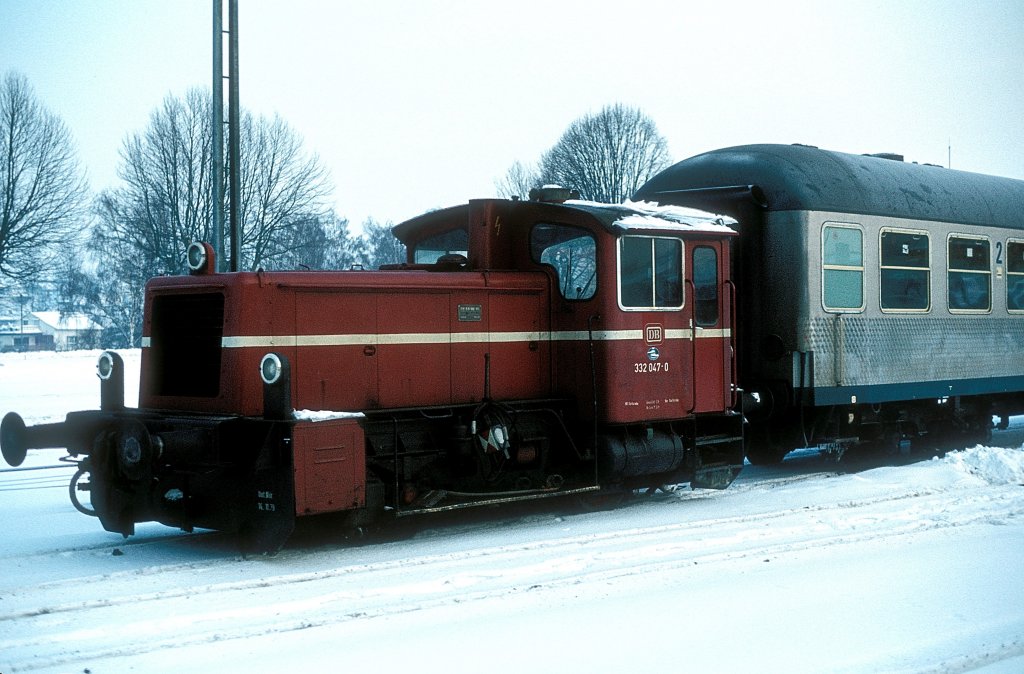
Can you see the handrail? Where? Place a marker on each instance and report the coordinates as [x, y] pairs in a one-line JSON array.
[[732, 379], [693, 344]]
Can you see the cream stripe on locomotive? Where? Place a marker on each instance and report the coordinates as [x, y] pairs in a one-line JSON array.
[[266, 341]]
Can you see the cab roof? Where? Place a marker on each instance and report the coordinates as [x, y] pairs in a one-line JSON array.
[[616, 218]]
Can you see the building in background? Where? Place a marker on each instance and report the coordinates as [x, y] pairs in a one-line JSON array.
[[21, 333], [48, 331], [68, 331]]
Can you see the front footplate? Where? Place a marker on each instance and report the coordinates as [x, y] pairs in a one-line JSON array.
[[719, 458]]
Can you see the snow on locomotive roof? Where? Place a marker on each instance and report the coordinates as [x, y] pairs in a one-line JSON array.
[[650, 215], [615, 217]]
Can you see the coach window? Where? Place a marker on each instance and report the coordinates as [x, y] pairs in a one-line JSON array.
[[572, 253], [1015, 276], [452, 242], [842, 268], [905, 274], [650, 273], [969, 275]]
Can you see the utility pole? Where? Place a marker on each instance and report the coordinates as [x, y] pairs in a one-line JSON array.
[[22, 344], [234, 132], [218, 134]]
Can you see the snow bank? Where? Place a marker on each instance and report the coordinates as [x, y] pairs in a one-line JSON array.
[[994, 465]]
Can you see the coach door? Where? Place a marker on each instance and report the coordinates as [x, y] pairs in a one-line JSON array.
[[710, 301]]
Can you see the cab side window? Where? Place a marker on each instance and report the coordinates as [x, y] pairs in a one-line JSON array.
[[572, 253], [452, 242], [705, 286], [650, 272]]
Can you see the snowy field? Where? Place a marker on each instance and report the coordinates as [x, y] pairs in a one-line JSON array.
[[799, 568]]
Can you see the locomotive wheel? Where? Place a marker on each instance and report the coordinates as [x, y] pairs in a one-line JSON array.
[[74, 488]]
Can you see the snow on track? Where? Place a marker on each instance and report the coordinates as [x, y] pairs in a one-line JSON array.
[[797, 568], [192, 593]]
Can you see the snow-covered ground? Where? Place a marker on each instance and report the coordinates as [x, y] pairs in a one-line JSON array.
[[800, 568]]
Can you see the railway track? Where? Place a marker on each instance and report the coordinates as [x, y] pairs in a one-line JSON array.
[[170, 606]]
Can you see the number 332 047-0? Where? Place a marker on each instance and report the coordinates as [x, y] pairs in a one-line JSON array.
[[650, 367]]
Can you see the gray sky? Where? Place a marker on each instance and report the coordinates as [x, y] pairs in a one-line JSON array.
[[419, 105]]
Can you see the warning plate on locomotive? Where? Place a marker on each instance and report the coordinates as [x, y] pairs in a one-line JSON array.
[[470, 312]]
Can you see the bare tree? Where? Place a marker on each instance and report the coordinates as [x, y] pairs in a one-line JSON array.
[[42, 190], [282, 188], [165, 202], [606, 156], [518, 181], [382, 246], [346, 250], [115, 292], [321, 242], [143, 227]]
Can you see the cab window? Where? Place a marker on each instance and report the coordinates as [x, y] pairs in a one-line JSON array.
[[431, 249], [969, 275], [705, 286], [842, 268], [650, 273], [572, 253]]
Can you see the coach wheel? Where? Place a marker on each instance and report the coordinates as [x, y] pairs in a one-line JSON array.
[[77, 486]]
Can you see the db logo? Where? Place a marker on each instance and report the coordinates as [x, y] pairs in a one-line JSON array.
[[654, 333]]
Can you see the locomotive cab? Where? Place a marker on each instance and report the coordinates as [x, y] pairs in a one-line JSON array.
[[641, 306]]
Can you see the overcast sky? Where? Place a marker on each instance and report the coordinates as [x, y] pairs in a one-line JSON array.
[[419, 105]]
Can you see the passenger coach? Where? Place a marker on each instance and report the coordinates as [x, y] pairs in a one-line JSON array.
[[880, 301]]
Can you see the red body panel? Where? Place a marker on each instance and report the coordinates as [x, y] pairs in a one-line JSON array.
[[373, 340], [330, 466]]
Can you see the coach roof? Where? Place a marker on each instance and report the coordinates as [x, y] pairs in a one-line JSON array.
[[800, 177]]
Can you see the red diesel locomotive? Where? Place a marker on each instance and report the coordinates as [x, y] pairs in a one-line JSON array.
[[526, 349]]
